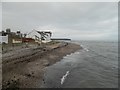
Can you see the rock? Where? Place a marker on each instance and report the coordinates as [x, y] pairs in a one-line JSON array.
[[46, 64], [28, 75]]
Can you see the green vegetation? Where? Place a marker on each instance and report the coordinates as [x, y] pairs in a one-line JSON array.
[[52, 42]]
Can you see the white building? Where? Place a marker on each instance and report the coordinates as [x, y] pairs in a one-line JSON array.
[[4, 39], [40, 36]]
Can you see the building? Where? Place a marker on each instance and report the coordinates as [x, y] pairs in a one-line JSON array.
[[40, 36], [17, 37], [10, 38], [4, 39], [24, 40], [45, 36], [32, 36]]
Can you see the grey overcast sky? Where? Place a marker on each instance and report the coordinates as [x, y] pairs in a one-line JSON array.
[[75, 20]]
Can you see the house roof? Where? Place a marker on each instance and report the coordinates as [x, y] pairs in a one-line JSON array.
[[45, 32]]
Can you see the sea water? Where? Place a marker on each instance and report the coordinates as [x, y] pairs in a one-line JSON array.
[[94, 66]]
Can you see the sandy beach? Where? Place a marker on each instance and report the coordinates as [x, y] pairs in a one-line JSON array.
[[24, 67]]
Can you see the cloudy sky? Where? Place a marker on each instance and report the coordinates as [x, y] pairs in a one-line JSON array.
[[78, 20]]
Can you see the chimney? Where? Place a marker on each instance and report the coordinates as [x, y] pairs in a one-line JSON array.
[[8, 30]]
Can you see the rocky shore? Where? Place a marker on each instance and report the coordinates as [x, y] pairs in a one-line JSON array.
[[24, 67]]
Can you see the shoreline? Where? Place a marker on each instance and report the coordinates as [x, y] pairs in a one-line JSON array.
[[25, 68]]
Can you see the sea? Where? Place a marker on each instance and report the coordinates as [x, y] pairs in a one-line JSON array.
[[94, 66]]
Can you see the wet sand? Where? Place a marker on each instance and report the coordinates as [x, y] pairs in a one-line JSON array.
[[24, 68]]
